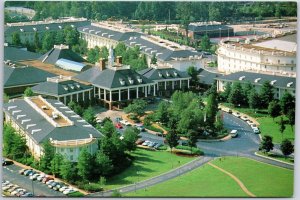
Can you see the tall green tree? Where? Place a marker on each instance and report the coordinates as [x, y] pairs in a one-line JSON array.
[[48, 41], [274, 109], [104, 165], [5, 98], [226, 93], [56, 163], [282, 127], [59, 37], [254, 99], [192, 71], [172, 139], [291, 118], [205, 43], [16, 40], [120, 49], [89, 116], [84, 165], [266, 93], [137, 107], [47, 156], [75, 107], [71, 36], [236, 96], [287, 102], [211, 110], [36, 41], [287, 147], [153, 59], [67, 170], [267, 143], [192, 139], [162, 112], [130, 137]]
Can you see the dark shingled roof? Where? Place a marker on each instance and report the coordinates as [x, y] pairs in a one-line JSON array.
[[42, 27], [110, 78], [55, 54], [77, 131], [16, 76], [16, 54], [207, 77], [110, 34], [214, 27], [55, 89], [281, 81], [162, 74]]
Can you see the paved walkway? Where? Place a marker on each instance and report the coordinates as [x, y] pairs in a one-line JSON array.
[[158, 179], [240, 183]]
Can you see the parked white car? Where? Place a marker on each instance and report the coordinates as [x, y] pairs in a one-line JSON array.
[[245, 118], [237, 114], [63, 188], [34, 177], [69, 191], [255, 130]]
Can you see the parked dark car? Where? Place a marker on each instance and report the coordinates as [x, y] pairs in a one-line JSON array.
[[7, 162]]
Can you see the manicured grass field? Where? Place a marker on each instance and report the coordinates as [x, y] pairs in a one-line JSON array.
[[261, 179], [147, 164], [270, 127], [205, 181]]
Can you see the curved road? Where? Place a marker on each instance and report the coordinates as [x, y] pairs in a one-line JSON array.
[[244, 145]]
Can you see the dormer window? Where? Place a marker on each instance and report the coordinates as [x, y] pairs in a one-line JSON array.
[[159, 74], [22, 30], [47, 27], [130, 80], [167, 73], [175, 74], [273, 82], [139, 79], [59, 27], [72, 26], [34, 29], [122, 82], [242, 78], [65, 88], [257, 80], [289, 84], [71, 86], [77, 85]]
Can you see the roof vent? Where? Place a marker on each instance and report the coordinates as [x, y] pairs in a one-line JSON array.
[[34, 29], [242, 78], [22, 30], [257, 80], [289, 84], [59, 27], [122, 82], [47, 27], [273, 82]]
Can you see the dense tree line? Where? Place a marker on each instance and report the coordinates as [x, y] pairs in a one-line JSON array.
[[161, 11]]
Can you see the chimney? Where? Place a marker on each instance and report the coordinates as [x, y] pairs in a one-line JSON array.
[[101, 64], [119, 60]]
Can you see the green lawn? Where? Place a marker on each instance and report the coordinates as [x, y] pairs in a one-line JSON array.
[[270, 127], [148, 164], [277, 157], [261, 179], [205, 181]]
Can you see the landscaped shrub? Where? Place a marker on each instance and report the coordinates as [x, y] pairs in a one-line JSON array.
[[195, 151], [163, 148], [93, 187]]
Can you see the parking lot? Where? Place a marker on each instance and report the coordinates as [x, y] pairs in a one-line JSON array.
[[11, 173]]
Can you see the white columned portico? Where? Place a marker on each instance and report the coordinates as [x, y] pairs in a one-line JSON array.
[[65, 100], [165, 85], [180, 83], [172, 85], [105, 94], [94, 91], [99, 93], [154, 91], [128, 93], [137, 92], [188, 83], [146, 92], [119, 95], [89, 94], [83, 96], [110, 96], [77, 97], [71, 97]]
